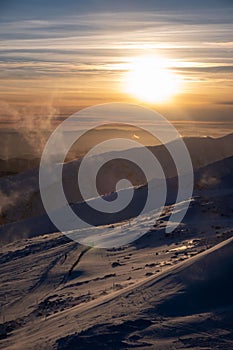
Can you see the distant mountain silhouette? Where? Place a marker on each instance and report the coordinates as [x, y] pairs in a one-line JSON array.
[[21, 150], [21, 191]]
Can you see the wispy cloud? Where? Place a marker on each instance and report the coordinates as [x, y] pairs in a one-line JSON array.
[[80, 56]]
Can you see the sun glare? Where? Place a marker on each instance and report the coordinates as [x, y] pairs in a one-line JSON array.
[[149, 79]]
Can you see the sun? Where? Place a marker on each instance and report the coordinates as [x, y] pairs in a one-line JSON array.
[[149, 79]]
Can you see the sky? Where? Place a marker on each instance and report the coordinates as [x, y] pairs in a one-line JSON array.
[[57, 57]]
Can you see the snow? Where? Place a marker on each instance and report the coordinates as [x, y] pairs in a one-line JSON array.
[[161, 291], [146, 291]]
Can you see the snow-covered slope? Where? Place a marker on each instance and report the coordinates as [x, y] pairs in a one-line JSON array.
[[168, 295], [213, 184], [20, 197], [218, 175], [163, 291], [190, 306]]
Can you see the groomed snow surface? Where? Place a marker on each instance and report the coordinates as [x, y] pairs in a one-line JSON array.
[[162, 291]]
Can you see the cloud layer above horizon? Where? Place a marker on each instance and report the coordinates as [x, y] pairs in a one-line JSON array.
[[73, 54]]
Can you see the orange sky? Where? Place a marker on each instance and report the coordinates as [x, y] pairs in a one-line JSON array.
[[59, 64]]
